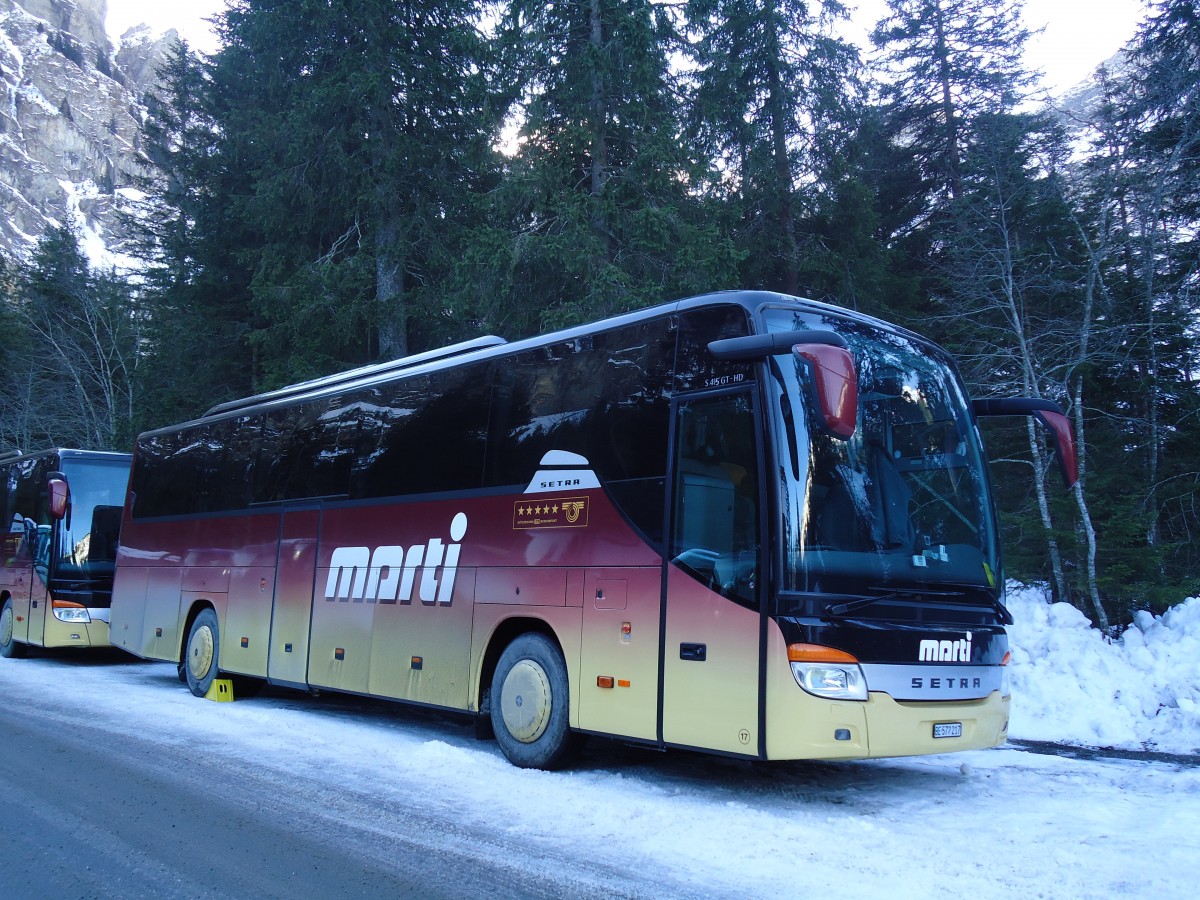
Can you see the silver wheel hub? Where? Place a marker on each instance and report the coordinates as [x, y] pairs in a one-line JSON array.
[[6, 625], [525, 701]]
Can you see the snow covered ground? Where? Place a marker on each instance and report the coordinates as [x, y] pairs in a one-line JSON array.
[[1000, 823]]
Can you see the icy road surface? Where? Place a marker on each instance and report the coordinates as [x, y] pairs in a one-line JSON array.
[[368, 794]]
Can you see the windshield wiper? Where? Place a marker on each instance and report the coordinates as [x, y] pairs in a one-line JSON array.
[[845, 609]]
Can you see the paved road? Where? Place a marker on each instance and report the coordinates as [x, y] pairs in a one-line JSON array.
[[116, 782], [85, 813], [1073, 751]]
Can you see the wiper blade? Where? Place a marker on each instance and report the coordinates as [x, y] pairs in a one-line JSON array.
[[1000, 609], [845, 609]]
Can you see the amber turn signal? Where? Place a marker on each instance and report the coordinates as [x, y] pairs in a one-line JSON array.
[[818, 653]]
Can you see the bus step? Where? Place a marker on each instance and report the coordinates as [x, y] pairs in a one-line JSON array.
[[221, 691]]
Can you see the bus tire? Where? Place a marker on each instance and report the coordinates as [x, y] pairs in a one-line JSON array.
[[202, 653], [530, 702], [10, 647]]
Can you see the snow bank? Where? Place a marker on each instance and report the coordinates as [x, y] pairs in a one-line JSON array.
[[1071, 684]]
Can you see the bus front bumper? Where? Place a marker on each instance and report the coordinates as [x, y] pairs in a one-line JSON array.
[[76, 634], [883, 727]]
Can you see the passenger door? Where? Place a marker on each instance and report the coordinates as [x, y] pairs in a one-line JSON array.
[[39, 594], [713, 620], [19, 580]]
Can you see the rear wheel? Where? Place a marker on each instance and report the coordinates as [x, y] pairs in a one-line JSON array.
[[10, 647], [201, 656], [529, 704]]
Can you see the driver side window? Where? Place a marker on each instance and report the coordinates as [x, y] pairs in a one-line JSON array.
[[715, 535]]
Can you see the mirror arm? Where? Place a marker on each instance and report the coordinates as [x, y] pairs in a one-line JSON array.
[[774, 343]]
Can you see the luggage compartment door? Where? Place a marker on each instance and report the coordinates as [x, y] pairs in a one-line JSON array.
[[291, 609]]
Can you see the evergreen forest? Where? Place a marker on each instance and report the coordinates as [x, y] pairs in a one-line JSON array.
[[346, 182]]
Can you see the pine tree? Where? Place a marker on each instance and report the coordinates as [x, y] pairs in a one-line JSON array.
[[948, 62], [196, 298], [773, 109], [597, 214], [361, 126]]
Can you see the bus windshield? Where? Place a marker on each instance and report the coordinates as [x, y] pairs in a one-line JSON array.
[[86, 545], [902, 505]]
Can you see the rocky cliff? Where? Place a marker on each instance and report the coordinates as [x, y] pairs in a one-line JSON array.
[[69, 120]]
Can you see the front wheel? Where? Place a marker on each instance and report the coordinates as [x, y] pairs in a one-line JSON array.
[[202, 653], [10, 647], [529, 704]]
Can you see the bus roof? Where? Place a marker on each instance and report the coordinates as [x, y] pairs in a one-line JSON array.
[[490, 346], [65, 453], [340, 378]]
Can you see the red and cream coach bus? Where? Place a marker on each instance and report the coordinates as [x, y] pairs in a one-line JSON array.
[[743, 523], [62, 510]]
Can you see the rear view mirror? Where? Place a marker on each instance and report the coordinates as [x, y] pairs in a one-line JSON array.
[[835, 382], [59, 496], [1049, 414]]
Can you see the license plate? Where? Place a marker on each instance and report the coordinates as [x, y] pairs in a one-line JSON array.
[[947, 729]]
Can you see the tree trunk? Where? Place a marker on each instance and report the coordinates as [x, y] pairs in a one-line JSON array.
[[599, 151], [389, 290], [1085, 518], [783, 169], [942, 54]]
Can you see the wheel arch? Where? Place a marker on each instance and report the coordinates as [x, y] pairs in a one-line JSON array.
[[504, 634], [197, 607], [15, 648]]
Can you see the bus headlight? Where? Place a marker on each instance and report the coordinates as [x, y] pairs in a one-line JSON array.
[[1005, 677], [827, 672], [65, 611]]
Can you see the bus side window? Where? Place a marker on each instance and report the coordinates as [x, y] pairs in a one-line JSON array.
[[715, 522]]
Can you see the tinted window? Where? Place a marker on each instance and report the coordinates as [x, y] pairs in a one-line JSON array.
[[716, 535], [696, 368], [423, 434], [161, 485], [232, 468], [28, 526], [30, 501], [88, 535], [602, 396], [306, 451], [605, 397]]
